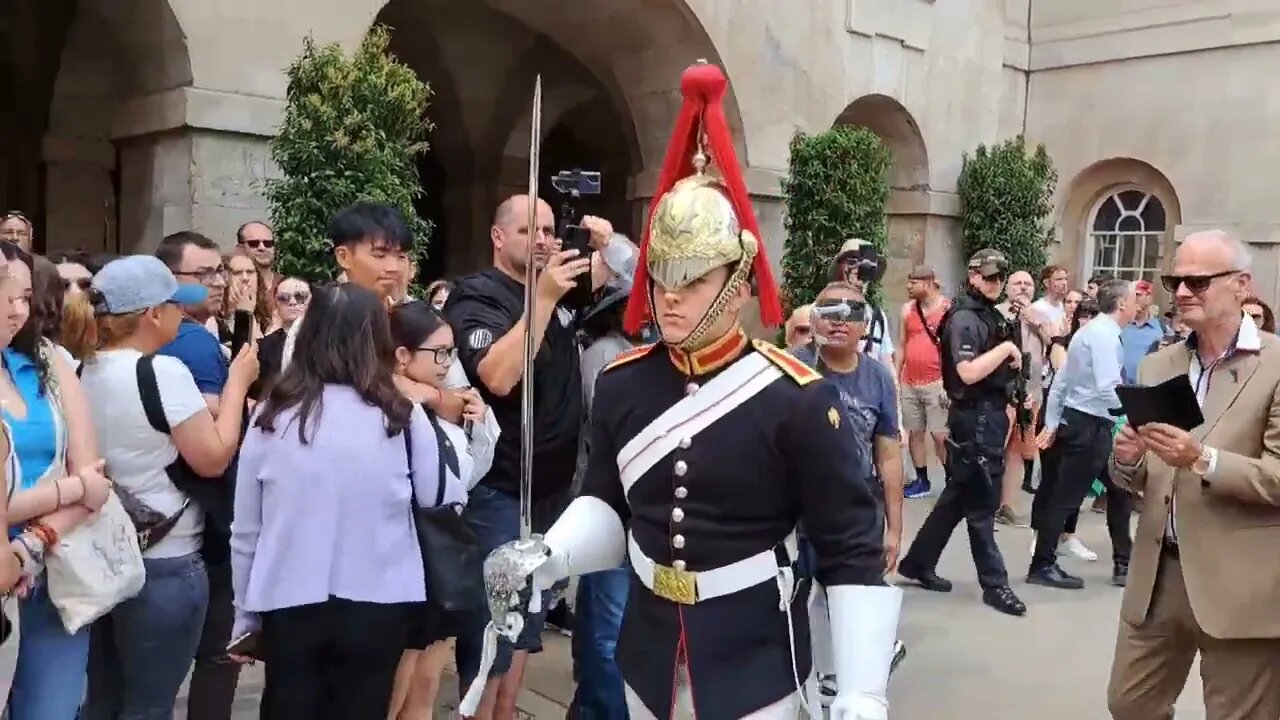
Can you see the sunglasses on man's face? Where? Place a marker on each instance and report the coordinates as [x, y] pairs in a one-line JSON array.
[[82, 283], [995, 277], [260, 244], [300, 297], [1195, 283]]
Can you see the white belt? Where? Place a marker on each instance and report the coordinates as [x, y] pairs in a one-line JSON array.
[[688, 587]]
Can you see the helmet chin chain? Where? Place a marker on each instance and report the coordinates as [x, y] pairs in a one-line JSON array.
[[697, 339]]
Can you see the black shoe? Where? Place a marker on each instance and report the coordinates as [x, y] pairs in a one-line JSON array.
[[927, 579], [1002, 599], [1026, 487], [1120, 575], [1054, 577]]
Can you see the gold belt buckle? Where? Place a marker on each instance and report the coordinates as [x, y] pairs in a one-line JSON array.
[[678, 586]]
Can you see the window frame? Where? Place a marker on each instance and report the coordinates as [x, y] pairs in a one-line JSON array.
[[1145, 236]]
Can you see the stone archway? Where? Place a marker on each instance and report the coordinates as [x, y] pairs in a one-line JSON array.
[[79, 158], [610, 74], [910, 219], [1115, 179]]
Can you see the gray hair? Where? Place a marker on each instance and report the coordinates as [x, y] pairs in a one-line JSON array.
[[1111, 292], [1241, 258]]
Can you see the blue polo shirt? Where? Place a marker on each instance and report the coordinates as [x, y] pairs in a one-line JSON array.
[[200, 351], [1136, 339]]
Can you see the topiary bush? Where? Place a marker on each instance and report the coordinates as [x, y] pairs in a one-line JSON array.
[[1006, 197], [836, 188], [352, 129]]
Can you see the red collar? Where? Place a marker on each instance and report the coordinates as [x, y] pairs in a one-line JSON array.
[[712, 357]]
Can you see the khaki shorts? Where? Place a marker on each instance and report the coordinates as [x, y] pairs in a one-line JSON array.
[[924, 407]]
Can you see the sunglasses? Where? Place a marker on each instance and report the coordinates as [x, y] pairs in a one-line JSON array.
[[841, 310], [82, 283], [1195, 283], [205, 275], [260, 244], [300, 297], [443, 355]]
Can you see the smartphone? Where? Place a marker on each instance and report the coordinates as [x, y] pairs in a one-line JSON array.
[[246, 645], [579, 238], [241, 330]]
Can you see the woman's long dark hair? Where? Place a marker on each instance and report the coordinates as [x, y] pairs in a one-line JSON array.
[[414, 322], [1088, 307], [27, 341], [345, 339]]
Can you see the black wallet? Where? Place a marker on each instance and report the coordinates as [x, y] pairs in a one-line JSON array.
[[1172, 402]]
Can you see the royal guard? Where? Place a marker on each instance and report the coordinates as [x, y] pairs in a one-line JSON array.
[[707, 450]]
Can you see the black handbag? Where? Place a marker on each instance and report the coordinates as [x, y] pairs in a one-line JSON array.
[[452, 558]]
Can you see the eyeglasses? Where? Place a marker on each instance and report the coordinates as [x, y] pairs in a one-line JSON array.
[[443, 355], [1195, 283], [300, 297], [205, 275], [260, 244], [82, 283]]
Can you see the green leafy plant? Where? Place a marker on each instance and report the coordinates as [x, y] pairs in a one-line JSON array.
[[836, 188], [352, 130], [1006, 197]]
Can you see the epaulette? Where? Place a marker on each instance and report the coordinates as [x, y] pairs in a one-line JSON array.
[[787, 363], [634, 353]]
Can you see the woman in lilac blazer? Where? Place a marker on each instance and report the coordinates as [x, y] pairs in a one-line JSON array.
[[326, 562]]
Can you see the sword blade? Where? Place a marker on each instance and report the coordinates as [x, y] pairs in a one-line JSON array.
[[530, 297]]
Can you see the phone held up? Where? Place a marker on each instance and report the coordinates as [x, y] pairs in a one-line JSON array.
[[573, 184]]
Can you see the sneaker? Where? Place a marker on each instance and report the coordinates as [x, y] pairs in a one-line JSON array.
[[1072, 547], [917, 489], [1006, 516]]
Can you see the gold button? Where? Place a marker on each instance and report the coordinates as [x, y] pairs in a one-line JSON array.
[[677, 514], [678, 565], [682, 492], [685, 443], [691, 388], [677, 541], [682, 467]]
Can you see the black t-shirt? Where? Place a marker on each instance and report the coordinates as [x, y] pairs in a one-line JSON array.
[[970, 329], [481, 309]]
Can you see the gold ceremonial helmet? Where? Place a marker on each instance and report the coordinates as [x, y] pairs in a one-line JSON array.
[[695, 229]]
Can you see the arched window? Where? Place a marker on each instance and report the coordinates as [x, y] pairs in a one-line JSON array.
[[1127, 231]]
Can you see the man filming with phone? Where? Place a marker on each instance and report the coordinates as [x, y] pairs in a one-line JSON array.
[[488, 315]]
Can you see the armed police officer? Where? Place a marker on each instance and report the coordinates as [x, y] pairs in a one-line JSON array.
[[707, 449], [980, 361]]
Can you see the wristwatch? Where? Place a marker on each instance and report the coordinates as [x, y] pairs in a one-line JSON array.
[[1203, 464]]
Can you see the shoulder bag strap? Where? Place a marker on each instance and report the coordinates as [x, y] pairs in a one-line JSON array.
[[149, 390], [442, 447], [925, 323]]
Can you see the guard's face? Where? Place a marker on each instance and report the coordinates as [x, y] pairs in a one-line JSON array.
[[840, 319], [678, 311], [989, 285]]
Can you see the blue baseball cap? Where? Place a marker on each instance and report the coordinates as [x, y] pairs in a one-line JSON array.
[[139, 282]]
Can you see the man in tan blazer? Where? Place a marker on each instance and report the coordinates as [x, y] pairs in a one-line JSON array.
[[1205, 572]]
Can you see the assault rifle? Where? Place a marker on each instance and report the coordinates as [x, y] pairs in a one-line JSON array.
[[1023, 416]]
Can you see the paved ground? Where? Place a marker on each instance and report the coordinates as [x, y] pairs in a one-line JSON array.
[[966, 662]]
